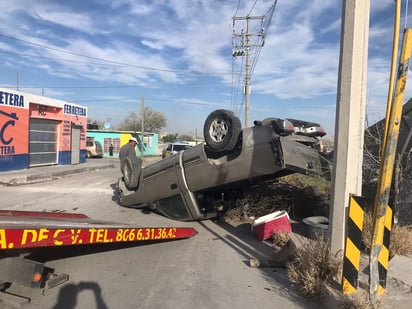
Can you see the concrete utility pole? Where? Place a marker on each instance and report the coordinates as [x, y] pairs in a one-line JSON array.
[[241, 47], [350, 115]]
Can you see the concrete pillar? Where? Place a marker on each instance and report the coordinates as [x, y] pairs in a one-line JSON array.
[[350, 115]]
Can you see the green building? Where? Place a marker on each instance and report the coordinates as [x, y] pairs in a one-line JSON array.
[[117, 139]]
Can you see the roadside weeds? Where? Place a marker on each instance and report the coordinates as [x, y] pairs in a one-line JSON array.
[[311, 268]]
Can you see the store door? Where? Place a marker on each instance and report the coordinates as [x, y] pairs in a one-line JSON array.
[[75, 144], [42, 142]]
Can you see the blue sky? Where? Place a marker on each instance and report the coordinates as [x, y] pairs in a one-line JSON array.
[[178, 53]]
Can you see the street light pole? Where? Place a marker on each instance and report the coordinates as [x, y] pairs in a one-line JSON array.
[[247, 75], [242, 47], [142, 137]]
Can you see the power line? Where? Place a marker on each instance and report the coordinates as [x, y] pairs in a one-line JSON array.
[[117, 86], [266, 29], [253, 6], [238, 5], [113, 63], [150, 99], [80, 55]]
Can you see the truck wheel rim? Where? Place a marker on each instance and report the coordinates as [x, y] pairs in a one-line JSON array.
[[218, 130]]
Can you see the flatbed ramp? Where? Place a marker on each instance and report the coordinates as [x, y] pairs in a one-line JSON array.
[[29, 229]]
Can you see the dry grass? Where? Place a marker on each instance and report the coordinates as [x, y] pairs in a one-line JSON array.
[[367, 231], [300, 195], [280, 239], [401, 237], [401, 240], [249, 208], [360, 301], [313, 267]]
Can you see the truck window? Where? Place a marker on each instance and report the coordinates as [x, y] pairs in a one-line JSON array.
[[180, 147], [173, 207]]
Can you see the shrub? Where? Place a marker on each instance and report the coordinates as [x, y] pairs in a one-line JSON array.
[[400, 239], [313, 267]]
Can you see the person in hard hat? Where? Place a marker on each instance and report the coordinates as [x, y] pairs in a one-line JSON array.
[[127, 150]]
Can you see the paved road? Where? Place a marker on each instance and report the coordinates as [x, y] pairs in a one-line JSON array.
[[206, 271]]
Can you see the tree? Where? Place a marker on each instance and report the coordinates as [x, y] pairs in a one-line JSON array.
[[153, 121], [169, 138], [99, 123], [400, 192], [186, 137], [131, 123]]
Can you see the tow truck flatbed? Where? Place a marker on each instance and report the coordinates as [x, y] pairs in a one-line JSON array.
[[24, 230], [20, 229]]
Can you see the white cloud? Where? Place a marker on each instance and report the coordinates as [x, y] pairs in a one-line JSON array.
[[160, 40], [153, 44], [72, 20]]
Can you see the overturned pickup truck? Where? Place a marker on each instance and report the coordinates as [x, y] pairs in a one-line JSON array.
[[204, 180]]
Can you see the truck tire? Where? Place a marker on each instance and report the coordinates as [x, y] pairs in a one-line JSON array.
[[132, 170], [221, 131]]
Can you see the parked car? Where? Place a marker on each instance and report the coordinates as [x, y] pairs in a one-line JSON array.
[[206, 179], [174, 148], [307, 128], [93, 149]]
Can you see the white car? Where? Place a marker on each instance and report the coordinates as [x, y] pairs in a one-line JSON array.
[[174, 148]]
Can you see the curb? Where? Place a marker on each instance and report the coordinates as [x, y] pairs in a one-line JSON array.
[[28, 179]]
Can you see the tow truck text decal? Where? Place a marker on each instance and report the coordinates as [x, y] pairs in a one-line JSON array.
[[24, 238]]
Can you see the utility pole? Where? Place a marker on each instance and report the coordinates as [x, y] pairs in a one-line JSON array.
[[241, 45], [350, 116], [142, 137]]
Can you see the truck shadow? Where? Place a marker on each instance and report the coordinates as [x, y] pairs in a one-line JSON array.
[[116, 199]]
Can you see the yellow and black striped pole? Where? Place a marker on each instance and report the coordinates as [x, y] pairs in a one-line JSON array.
[[379, 258], [383, 258], [353, 241]]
